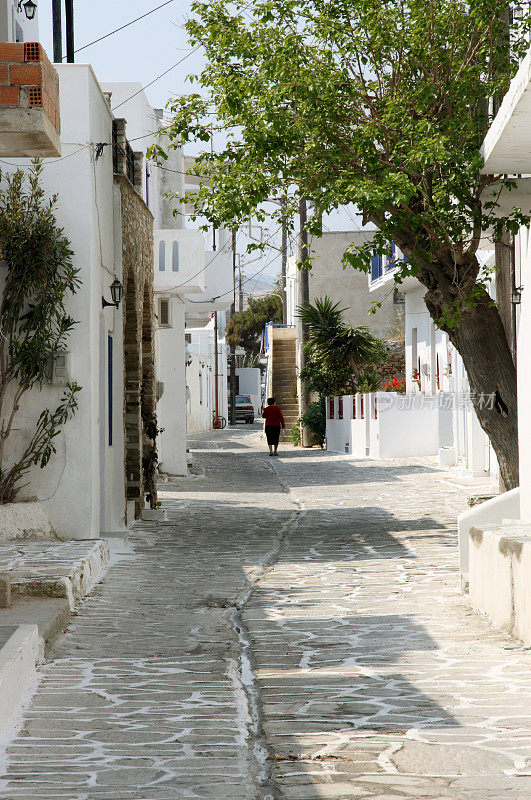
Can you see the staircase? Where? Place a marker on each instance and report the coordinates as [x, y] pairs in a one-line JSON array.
[[284, 378]]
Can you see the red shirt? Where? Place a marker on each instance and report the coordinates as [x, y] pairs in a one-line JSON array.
[[273, 416]]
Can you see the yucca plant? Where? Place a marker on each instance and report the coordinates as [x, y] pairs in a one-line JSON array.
[[337, 353]]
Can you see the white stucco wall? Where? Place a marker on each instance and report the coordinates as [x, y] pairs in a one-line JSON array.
[[71, 486], [249, 380], [128, 100], [171, 408], [348, 287], [442, 370], [524, 375], [200, 376]]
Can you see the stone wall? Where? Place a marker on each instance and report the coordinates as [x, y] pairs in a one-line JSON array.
[[139, 336], [395, 366]]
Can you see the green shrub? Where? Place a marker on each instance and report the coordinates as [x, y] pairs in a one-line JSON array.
[[315, 421], [295, 434]]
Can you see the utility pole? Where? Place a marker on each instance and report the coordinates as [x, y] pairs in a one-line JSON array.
[[69, 18], [284, 268], [57, 24], [232, 399], [304, 299], [240, 304], [57, 27]]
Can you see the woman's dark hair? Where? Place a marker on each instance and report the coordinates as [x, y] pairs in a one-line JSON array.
[[270, 401]]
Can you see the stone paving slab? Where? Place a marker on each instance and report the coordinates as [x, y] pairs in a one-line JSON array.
[[54, 569], [375, 677], [293, 631]]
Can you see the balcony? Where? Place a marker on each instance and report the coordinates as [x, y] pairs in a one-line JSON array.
[[179, 262], [505, 148], [29, 102]]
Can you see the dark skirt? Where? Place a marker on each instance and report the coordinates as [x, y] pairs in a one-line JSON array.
[[272, 433]]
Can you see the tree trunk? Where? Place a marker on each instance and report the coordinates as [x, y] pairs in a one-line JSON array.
[[482, 343]]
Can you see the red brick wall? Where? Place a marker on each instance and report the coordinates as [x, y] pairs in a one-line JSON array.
[[28, 79]]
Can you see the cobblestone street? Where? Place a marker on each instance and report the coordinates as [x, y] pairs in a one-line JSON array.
[[295, 630]]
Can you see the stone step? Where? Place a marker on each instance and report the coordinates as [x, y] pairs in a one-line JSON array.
[[67, 569]]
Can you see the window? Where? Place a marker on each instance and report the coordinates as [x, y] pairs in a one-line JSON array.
[[162, 256], [164, 312], [188, 338], [175, 257], [376, 267]]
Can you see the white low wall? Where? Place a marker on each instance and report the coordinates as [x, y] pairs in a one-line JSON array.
[[25, 521], [18, 671], [504, 506], [404, 426], [387, 425], [500, 576]]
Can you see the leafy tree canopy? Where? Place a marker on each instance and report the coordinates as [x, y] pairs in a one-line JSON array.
[[245, 327], [379, 103]]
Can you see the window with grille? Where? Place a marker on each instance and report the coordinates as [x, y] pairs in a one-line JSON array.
[[164, 312]]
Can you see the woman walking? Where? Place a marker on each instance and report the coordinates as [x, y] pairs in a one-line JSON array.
[[274, 421]]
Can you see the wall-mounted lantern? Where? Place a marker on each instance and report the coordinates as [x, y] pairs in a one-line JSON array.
[[516, 295], [29, 8], [117, 293]]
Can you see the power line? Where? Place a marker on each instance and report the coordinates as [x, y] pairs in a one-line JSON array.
[[218, 252], [162, 74], [194, 50], [48, 163], [219, 296], [122, 27]]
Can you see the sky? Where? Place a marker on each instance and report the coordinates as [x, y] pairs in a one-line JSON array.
[[142, 52]]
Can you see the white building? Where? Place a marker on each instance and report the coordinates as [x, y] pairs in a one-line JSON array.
[[83, 487], [188, 276], [201, 375], [436, 417], [249, 380], [348, 287], [495, 537]]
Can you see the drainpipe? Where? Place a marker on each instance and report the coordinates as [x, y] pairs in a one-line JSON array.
[[514, 298], [216, 369], [232, 406]]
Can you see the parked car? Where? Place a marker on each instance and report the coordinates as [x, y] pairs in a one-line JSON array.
[[243, 409]]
